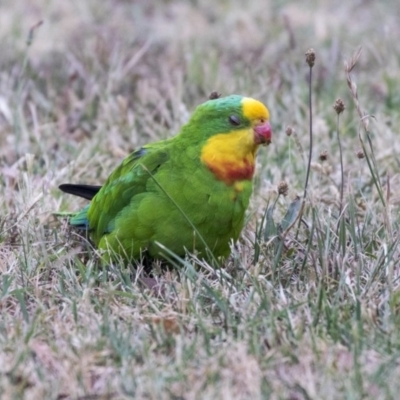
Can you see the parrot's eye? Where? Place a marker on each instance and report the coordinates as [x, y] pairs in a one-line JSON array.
[[234, 120]]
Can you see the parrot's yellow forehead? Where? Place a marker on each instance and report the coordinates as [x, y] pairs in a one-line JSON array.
[[254, 109]]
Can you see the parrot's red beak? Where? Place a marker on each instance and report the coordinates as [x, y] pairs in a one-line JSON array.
[[263, 133]]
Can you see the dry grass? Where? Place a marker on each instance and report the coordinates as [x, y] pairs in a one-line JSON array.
[[316, 317]]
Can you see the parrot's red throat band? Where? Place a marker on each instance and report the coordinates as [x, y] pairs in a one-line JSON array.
[[231, 172]]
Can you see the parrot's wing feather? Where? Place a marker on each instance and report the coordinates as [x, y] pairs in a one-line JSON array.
[[127, 180], [85, 191]]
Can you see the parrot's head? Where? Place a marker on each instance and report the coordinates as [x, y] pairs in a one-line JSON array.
[[230, 129], [232, 114]]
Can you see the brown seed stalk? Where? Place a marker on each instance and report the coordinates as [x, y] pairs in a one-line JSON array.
[[339, 107]]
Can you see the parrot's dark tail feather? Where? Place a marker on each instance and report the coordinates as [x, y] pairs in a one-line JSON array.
[[85, 191]]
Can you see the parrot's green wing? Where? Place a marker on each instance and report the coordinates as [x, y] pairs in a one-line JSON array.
[[128, 180]]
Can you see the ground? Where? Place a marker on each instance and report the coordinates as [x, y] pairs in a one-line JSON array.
[[311, 312]]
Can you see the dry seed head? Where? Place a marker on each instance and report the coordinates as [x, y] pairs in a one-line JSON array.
[[310, 57], [323, 155], [362, 204], [289, 131], [349, 65], [339, 106], [283, 188], [214, 95], [360, 154], [29, 40]]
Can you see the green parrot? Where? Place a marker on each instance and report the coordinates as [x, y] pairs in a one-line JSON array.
[[188, 193]]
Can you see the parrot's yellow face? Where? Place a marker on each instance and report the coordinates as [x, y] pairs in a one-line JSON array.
[[231, 155], [258, 115]]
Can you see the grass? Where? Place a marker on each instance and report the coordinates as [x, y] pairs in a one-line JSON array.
[[317, 316]]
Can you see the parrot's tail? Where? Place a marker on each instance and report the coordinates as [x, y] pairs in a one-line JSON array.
[[85, 191]]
